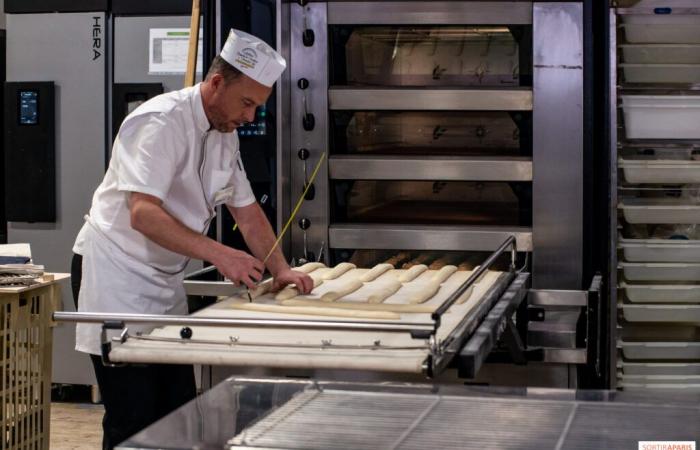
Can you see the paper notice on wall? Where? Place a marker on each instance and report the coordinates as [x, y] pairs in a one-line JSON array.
[[167, 51]]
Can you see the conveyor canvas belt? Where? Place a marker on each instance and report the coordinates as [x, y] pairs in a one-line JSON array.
[[310, 348]]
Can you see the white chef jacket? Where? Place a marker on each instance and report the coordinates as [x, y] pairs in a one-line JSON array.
[[165, 148]]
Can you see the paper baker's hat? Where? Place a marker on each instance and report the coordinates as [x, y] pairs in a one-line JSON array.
[[254, 57]]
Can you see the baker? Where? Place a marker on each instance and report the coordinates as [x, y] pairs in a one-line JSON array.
[[175, 159]]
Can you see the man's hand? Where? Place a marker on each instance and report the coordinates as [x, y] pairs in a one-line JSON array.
[[239, 266], [288, 276]]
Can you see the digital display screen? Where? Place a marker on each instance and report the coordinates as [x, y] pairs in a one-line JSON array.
[[28, 107], [257, 127]]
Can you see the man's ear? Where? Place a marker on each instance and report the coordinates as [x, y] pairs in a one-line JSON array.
[[216, 81]]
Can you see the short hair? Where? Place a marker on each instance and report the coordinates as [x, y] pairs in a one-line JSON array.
[[223, 68]]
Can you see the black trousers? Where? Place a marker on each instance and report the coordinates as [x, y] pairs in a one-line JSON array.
[[135, 396]]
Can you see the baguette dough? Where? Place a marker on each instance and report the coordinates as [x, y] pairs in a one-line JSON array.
[[466, 266], [442, 262], [483, 275], [412, 273], [391, 307], [261, 289], [342, 291], [375, 272], [394, 260], [420, 259], [385, 292], [309, 267], [292, 291], [443, 274], [338, 270], [317, 311], [427, 291], [431, 288], [464, 297]]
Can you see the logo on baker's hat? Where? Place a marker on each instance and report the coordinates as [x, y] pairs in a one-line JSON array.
[[253, 57]]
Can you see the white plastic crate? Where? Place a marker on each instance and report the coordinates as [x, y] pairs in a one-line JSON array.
[[661, 293], [640, 271], [645, 368], [661, 53], [661, 28], [661, 313], [660, 250], [677, 350], [660, 171], [660, 210], [662, 116], [661, 73], [663, 379]]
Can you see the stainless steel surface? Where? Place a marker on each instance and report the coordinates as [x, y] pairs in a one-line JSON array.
[[443, 12], [612, 207], [542, 297], [426, 237], [357, 420], [565, 356], [465, 417], [446, 168], [59, 48], [558, 146], [411, 99], [283, 124], [310, 63], [212, 288], [221, 322], [558, 330]]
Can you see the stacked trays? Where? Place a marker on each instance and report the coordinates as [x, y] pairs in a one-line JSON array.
[[661, 49], [659, 200]]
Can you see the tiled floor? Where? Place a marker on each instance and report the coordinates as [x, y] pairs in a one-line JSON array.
[[76, 426]]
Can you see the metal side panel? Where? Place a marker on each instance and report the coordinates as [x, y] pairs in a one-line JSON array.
[[558, 146], [407, 99], [283, 152], [60, 48], [433, 13], [310, 63], [612, 207], [420, 237], [358, 167]]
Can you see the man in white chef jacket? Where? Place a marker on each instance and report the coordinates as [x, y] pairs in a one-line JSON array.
[[175, 159]]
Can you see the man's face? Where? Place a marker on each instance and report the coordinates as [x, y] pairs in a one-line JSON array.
[[232, 104]]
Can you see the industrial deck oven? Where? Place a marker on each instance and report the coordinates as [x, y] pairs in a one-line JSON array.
[[447, 134]]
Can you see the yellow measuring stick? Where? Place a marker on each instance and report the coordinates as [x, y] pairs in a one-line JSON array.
[[298, 205]]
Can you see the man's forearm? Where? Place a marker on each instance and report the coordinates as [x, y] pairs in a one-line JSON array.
[[159, 226], [259, 236]]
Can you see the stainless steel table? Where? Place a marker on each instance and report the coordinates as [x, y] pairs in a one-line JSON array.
[[305, 414]]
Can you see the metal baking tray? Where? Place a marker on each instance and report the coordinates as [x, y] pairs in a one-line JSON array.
[[636, 271], [655, 369], [660, 210], [677, 350], [661, 313], [660, 250], [660, 171], [662, 293]]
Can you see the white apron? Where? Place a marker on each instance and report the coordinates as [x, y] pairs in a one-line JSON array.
[[114, 282]]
